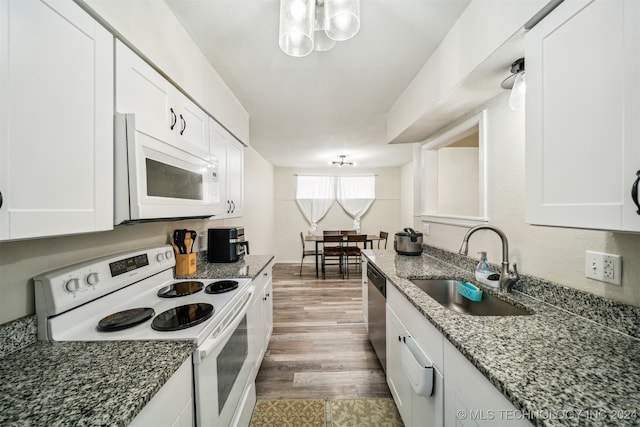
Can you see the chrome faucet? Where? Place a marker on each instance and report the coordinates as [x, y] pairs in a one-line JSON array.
[[507, 279]]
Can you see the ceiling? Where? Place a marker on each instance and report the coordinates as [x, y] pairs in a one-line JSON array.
[[305, 112]]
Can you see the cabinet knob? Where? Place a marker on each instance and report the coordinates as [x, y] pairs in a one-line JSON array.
[[634, 192], [174, 119]]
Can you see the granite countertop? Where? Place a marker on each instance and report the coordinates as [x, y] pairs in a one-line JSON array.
[[85, 383], [247, 268], [92, 383], [544, 363]]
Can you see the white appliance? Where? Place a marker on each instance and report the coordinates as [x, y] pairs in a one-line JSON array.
[[134, 296], [157, 180]]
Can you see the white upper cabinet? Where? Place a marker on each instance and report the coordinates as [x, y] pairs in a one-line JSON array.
[[583, 116], [161, 110], [56, 120], [230, 154]]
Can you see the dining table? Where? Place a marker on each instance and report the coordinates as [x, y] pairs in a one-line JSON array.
[[318, 239]]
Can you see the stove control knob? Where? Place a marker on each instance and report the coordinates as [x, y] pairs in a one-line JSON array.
[[93, 279], [72, 285], [168, 254], [160, 257]]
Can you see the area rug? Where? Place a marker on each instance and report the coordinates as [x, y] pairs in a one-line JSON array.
[[376, 412], [289, 413], [364, 413]]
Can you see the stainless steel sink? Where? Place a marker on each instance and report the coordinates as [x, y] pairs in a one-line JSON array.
[[445, 292]]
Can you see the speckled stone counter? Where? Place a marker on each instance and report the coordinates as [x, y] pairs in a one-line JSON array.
[[249, 267], [85, 383], [544, 363]]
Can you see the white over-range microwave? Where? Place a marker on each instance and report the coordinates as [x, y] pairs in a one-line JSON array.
[[156, 180]]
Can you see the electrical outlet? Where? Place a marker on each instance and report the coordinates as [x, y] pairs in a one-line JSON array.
[[426, 229], [603, 267]]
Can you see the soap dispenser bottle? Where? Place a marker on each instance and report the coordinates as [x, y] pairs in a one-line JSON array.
[[483, 271]]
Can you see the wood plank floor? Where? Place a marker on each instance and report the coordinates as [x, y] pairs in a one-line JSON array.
[[319, 347]]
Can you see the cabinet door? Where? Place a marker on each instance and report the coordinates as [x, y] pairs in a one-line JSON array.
[[235, 174], [582, 127], [141, 90], [218, 147], [470, 399], [268, 312], [192, 129], [396, 378], [56, 120], [365, 293]]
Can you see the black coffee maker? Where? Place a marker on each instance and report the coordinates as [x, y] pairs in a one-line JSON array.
[[226, 244]]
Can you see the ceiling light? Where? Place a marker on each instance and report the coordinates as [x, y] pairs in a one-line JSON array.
[[516, 82], [307, 25], [341, 162]]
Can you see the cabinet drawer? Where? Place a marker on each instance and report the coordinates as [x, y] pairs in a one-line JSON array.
[[425, 334]]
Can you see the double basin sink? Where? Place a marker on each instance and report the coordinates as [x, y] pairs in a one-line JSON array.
[[445, 292]]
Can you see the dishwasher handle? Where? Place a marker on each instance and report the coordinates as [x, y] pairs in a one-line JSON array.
[[417, 367]]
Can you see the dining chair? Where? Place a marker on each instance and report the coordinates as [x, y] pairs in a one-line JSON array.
[[331, 233], [348, 232], [383, 236], [308, 252], [353, 252], [332, 254]]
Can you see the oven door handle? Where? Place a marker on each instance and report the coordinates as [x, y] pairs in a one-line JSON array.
[[224, 329]]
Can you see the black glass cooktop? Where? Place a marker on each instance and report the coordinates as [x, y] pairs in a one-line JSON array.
[[182, 317], [180, 289], [125, 319], [221, 286]]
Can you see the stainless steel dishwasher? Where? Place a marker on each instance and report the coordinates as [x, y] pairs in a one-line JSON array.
[[376, 310]]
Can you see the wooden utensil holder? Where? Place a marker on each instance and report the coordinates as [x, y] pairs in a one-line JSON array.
[[185, 264]]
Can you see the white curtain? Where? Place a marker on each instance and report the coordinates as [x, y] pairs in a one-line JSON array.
[[315, 195], [355, 195]]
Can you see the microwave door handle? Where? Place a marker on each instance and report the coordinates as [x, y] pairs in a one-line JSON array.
[[246, 244]]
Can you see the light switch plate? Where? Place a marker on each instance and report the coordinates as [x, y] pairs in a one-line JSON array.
[[603, 267]]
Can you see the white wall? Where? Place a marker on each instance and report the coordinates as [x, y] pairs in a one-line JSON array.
[[556, 254], [406, 195], [383, 215]]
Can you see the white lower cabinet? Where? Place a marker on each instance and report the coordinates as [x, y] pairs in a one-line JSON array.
[[470, 399], [173, 404], [365, 293], [261, 317], [462, 396], [423, 408]]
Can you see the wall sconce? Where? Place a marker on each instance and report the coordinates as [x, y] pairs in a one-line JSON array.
[[516, 82]]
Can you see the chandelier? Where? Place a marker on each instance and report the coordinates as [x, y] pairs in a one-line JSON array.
[[341, 162], [307, 25]]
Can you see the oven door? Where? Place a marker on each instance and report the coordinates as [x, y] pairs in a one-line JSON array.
[[222, 369], [163, 180]]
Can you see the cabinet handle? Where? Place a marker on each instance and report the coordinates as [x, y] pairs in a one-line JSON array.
[[1, 199], [634, 192], [228, 206], [184, 124], [233, 209], [174, 119]]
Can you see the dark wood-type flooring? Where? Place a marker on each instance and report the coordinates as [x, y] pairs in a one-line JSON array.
[[319, 347]]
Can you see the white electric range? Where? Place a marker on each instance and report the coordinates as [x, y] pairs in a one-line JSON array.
[[134, 296]]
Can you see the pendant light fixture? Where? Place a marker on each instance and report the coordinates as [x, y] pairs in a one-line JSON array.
[[307, 25], [343, 18], [517, 83], [321, 41], [296, 26]]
